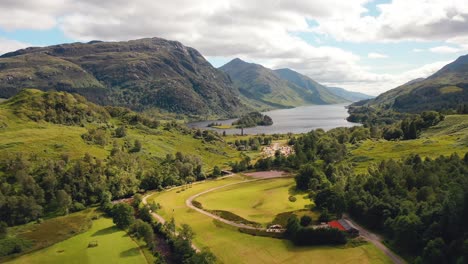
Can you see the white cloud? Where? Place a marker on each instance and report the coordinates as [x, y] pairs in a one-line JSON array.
[[418, 50], [375, 55], [260, 31], [8, 45], [32, 14], [444, 49]]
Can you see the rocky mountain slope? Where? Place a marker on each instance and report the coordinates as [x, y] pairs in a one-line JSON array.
[[139, 74]]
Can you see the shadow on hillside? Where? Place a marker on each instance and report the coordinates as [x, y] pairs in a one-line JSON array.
[[106, 231], [130, 252]]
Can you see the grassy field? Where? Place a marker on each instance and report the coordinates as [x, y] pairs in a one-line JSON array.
[[114, 246], [258, 201], [449, 136], [231, 246], [53, 230]]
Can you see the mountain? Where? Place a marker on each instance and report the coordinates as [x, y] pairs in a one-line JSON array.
[[349, 95], [139, 74], [320, 93], [446, 89], [276, 88]]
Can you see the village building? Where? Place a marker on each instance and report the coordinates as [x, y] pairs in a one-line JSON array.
[[344, 225]]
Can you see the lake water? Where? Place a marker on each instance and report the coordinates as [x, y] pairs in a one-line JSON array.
[[295, 120]]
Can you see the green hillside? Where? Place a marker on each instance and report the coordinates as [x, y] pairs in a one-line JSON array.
[[28, 124], [448, 137], [446, 89], [321, 94], [265, 87], [138, 74]]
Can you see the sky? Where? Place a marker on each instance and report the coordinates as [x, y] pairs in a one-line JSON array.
[[368, 46]]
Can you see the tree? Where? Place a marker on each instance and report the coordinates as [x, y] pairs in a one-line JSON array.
[[3, 230], [121, 132], [306, 173], [406, 229], [292, 227], [186, 232], [137, 199], [143, 230], [136, 146], [204, 257], [145, 214], [64, 201], [170, 226], [434, 252], [122, 215], [331, 200], [324, 216], [216, 171], [305, 220]]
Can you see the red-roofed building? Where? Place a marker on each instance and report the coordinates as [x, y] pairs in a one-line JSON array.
[[337, 225], [344, 225]]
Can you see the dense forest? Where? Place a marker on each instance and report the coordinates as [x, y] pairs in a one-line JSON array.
[[420, 204]]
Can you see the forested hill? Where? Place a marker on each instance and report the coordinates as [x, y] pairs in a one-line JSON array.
[[59, 144], [447, 89], [276, 88], [138, 74]]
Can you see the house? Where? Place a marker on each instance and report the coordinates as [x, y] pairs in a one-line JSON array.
[[275, 229], [344, 225]]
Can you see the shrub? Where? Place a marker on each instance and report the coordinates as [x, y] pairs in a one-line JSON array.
[[292, 198]]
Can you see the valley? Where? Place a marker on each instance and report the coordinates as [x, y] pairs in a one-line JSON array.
[[143, 151]]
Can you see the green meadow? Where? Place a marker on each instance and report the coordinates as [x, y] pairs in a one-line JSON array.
[[113, 246], [258, 201], [231, 246]]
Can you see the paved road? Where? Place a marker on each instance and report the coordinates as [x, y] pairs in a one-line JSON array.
[[377, 241]]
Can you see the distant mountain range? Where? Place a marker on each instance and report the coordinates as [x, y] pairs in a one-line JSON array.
[[349, 95], [262, 86], [157, 73], [444, 90]]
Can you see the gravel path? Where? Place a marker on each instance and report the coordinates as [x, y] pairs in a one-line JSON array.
[[377, 241]]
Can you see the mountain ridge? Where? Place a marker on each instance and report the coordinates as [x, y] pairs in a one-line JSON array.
[[444, 90], [139, 74], [273, 88]]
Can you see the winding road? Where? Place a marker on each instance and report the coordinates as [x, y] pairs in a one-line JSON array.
[[377, 241], [366, 234], [189, 203]]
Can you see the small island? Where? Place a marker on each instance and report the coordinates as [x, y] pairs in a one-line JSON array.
[[253, 119]]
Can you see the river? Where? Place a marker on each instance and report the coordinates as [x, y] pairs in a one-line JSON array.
[[295, 120]]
